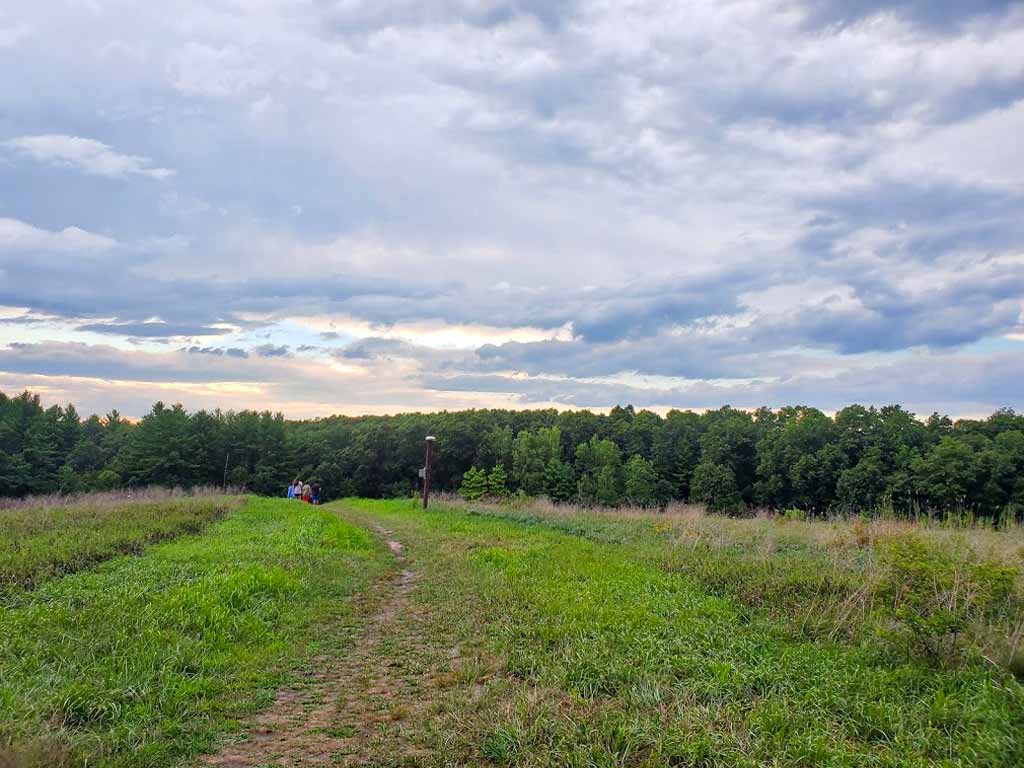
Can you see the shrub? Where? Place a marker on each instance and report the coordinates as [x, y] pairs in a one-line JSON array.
[[933, 596]]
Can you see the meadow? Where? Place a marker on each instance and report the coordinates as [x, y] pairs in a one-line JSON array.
[[523, 634], [603, 639], [52, 537], [140, 660]]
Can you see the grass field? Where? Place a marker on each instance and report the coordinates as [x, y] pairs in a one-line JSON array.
[[41, 540], [531, 636], [610, 642], [139, 661]]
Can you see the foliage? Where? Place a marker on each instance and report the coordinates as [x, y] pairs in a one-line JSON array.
[[531, 453], [641, 482], [862, 460], [934, 596], [559, 481], [599, 469], [497, 482], [714, 485], [474, 484]]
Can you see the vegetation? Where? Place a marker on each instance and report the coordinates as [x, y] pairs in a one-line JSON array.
[[143, 660], [862, 460], [39, 542], [517, 633], [609, 639]]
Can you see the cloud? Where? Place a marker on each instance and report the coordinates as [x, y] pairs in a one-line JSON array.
[[515, 201], [87, 155], [19, 236], [12, 35], [270, 350], [940, 14], [152, 329], [218, 351]]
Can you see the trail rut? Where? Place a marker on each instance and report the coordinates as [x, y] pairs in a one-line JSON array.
[[344, 706]]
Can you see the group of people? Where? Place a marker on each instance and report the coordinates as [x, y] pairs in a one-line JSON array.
[[304, 492]]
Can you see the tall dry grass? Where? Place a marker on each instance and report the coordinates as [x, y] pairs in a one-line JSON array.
[[115, 498]]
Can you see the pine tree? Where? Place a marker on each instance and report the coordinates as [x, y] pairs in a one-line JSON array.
[[559, 481], [497, 482], [474, 484]]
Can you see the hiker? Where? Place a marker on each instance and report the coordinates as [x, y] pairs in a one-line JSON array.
[[307, 491], [297, 490], [315, 497], [291, 490]]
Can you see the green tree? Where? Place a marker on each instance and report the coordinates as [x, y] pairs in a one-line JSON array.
[[861, 488], [599, 469], [946, 475], [730, 439], [608, 487], [496, 447], [531, 452], [641, 482], [474, 484], [497, 485], [559, 481], [714, 486]]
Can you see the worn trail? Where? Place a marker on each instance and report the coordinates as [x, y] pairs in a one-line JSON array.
[[347, 708]]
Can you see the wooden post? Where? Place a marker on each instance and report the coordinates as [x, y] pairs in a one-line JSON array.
[[426, 471]]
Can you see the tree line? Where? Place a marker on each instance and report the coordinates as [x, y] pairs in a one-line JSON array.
[[862, 459]]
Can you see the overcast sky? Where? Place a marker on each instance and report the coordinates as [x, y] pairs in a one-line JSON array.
[[355, 206]]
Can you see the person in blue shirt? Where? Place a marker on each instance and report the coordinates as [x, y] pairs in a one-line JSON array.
[[291, 490]]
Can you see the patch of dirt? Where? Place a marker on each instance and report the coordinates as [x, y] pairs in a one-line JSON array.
[[347, 710]]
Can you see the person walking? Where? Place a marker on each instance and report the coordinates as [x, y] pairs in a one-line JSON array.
[[315, 496], [291, 490], [297, 490], [307, 491]]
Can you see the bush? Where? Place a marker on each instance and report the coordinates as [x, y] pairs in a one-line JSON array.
[[933, 596]]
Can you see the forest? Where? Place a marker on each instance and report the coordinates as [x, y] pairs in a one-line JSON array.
[[861, 460]]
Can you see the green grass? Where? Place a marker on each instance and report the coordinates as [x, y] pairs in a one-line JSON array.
[[38, 543], [611, 647], [142, 661], [826, 579]]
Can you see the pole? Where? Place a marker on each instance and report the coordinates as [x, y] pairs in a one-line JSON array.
[[426, 471], [226, 457]]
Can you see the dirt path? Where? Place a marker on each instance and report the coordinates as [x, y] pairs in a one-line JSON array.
[[347, 710]]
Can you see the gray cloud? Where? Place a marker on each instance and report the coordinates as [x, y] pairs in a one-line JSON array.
[[154, 330], [940, 14], [270, 350], [218, 351], [735, 192]]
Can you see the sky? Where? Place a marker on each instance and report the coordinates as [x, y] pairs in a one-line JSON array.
[[348, 206]]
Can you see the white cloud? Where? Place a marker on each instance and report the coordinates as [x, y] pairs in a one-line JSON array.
[[87, 155], [18, 236], [11, 36]]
